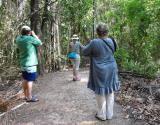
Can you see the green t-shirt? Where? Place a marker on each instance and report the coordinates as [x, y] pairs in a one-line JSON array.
[[26, 45]]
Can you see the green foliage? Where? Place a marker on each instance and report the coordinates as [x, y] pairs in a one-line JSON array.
[[76, 18], [135, 25], [122, 56], [74, 12], [8, 32]]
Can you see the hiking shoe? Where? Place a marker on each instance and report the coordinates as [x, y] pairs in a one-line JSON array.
[[76, 79], [33, 99]]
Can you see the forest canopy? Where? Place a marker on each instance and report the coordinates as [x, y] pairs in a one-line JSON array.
[[133, 23]]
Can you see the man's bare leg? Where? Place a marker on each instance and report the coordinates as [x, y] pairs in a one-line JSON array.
[[29, 90], [24, 85]]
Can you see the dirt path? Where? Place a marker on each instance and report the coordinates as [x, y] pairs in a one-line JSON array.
[[62, 102]]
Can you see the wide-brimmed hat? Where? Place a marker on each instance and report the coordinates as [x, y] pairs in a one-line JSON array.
[[75, 36]]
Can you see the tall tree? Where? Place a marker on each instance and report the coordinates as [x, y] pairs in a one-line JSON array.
[[21, 6], [94, 17], [0, 2], [36, 26], [35, 16], [55, 37]]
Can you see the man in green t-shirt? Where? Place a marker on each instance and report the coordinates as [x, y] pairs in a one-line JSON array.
[[27, 43]]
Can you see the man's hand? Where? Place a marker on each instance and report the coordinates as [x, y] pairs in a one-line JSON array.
[[34, 35]]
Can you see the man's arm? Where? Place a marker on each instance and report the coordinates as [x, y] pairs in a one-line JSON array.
[[36, 40]]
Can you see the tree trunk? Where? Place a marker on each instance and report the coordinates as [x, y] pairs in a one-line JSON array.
[[35, 26], [56, 61], [35, 17], [0, 2], [45, 28], [94, 17], [21, 6]]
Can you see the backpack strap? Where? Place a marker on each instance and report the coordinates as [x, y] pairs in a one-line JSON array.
[[108, 45], [114, 42]]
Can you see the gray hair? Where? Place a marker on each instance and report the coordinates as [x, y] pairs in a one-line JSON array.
[[102, 29]]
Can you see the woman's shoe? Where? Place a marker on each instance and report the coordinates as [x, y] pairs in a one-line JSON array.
[[101, 119]]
